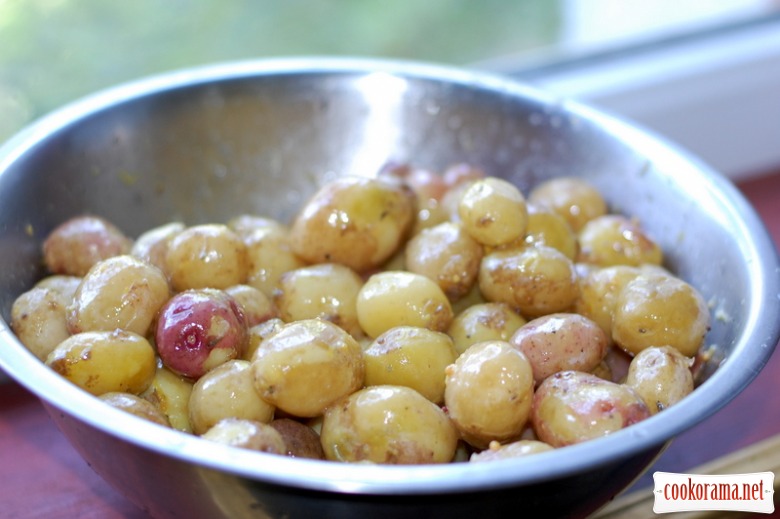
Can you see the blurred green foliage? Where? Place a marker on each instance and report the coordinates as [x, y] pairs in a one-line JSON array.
[[54, 51]]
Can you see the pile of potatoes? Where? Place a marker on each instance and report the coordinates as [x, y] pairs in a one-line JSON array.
[[411, 317]]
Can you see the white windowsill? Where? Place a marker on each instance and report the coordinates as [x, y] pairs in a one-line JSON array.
[[716, 94]]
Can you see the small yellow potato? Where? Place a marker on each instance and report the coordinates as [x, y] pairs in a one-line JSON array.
[[256, 306], [170, 393], [65, 286], [206, 256], [661, 376], [546, 227], [561, 342], [152, 246], [247, 434], [493, 211], [516, 449], [536, 280], [484, 322], [574, 199], [136, 406], [326, 291], [259, 333], [355, 221], [77, 244], [301, 440], [307, 366], [410, 356], [270, 256], [488, 394], [38, 318], [246, 224], [227, 391], [617, 240], [397, 298], [599, 289], [572, 407], [121, 292], [448, 255], [660, 310], [103, 362], [388, 425]]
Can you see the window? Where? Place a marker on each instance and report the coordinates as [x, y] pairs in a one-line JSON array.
[[54, 51]]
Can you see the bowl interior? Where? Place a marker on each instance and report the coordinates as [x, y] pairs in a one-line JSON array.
[[207, 144]]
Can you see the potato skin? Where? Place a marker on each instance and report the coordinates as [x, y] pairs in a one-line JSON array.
[[247, 434], [170, 393], [561, 342], [574, 199], [327, 291], [446, 254], [410, 356], [152, 246], [661, 376], [399, 298], [103, 362], [226, 391], [389, 425], [270, 256], [614, 239], [301, 440], [537, 280], [357, 222], [38, 318], [136, 406], [516, 449], [484, 322], [488, 394], [206, 256], [493, 211], [306, 366], [121, 292], [599, 290], [660, 310], [74, 246], [254, 304], [571, 407], [198, 330], [546, 227]]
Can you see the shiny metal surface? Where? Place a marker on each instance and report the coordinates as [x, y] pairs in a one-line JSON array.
[[206, 144]]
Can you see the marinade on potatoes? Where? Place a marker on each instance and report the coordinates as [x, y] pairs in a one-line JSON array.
[[415, 317]]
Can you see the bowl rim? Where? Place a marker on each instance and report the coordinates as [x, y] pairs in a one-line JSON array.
[[653, 433]]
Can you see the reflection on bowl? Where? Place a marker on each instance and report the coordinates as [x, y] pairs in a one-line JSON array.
[[206, 144]]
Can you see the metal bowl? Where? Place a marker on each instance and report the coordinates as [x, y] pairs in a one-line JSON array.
[[206, 144]]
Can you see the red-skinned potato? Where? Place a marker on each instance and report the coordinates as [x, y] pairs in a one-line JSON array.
[[561, 342], [77, 244], [198, 330], [572, 407]]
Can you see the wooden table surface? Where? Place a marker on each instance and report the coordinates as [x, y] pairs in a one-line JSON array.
[[42, 476]]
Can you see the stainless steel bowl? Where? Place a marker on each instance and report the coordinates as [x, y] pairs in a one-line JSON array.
[[206, 144]]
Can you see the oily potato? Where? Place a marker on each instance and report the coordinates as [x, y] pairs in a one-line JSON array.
[[354, 221], [571, 407], [102, 362], [561, 342]]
